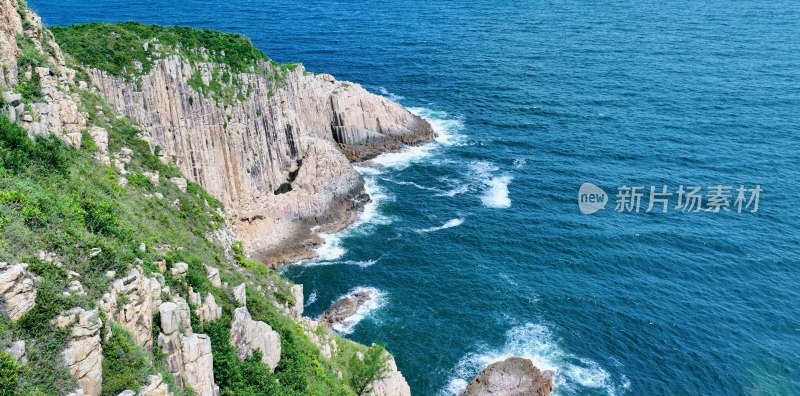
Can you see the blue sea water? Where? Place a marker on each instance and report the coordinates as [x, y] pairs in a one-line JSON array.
[[475, 244]]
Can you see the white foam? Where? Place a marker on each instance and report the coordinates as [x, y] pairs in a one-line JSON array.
[[376, 300], [331, 249], [312, 298], [393, 97], [535, 342], [446, 128], [449, 224], [496, 186]]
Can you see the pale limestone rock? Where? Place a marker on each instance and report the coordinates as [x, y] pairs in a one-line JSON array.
[[175, 319], [155, 387], [179, 269], [17, 350], [209, 310], [84, 354], [127, 392], [240, 294], [297, 295], [179, 182], [198, 370], [392, 383], [94, 252], [17, 290], [243, 153], [213, 276], [194, 298], [131, 301], [74, 139], [76, 288], [248, 335], [153, 176]]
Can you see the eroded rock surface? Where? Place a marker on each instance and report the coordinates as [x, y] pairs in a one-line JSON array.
[[277, 157], [17, 290], [84, 354], [511, 377], [131, 301], [198, 365], [248, 335], [392, 384], [345, 307]]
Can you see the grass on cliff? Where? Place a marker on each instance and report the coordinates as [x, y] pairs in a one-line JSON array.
[[58, 199], [117, 48]]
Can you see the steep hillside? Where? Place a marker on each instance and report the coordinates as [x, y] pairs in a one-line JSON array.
[[119, 274], [270, 141]]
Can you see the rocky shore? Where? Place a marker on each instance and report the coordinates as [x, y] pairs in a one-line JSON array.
[[511, 377]]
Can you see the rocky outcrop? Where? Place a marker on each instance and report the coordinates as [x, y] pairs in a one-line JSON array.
[[392, 383], [17, 290], [175, 320], [155, 387], [511, 377], [198, 365], [131, 302], [209, 310], [213, 276], [57, 110], [346, 306], [84, 354], [277, 156], [297, 296], [248, 335], [240, 294]]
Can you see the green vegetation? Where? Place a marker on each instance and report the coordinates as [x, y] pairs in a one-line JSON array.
[[126, 365], [57, 199], [130, 49], [126, 44]]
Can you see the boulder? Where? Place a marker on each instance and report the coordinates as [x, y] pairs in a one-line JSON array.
[[155, 387], [248, 335], [213, 276], [179, 270], [240, 294], [17, 290], [346, 307], [512, 377], [11, 98], [17, 350]]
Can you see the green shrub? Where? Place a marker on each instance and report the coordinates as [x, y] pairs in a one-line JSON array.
[[10, 372], [126, 365], [363, 372]]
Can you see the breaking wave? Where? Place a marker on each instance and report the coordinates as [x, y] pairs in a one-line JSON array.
[[450, 224], [536, 342], [376, 300]]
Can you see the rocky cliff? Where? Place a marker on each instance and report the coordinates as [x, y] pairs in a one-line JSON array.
[[273, 143], [127, 287]]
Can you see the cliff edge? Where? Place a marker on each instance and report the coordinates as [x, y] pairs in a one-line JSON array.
[[272, 142]]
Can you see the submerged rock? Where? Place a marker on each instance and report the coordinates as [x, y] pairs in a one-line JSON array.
[[512, 377], [346, 307]]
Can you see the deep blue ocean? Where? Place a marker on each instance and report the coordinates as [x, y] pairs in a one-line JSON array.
[[475, 245]]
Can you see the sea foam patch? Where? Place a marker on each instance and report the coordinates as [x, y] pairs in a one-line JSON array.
[[495, 194], [573, 374], [449, 224]]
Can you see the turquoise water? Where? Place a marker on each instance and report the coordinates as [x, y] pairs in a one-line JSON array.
[[475, 243]]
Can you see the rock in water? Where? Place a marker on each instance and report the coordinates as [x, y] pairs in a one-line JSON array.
[[511, 377], [346, 307]]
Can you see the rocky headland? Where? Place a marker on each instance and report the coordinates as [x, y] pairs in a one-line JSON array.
[[182, 160]]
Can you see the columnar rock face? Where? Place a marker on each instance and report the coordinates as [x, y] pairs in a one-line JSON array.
[[392, 384], [84, 354], [297, 294], [511, 377], [283, 132], [131, 302], [17, 290], [155, 387], [240, 294], [248, 335], [198, 365]]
